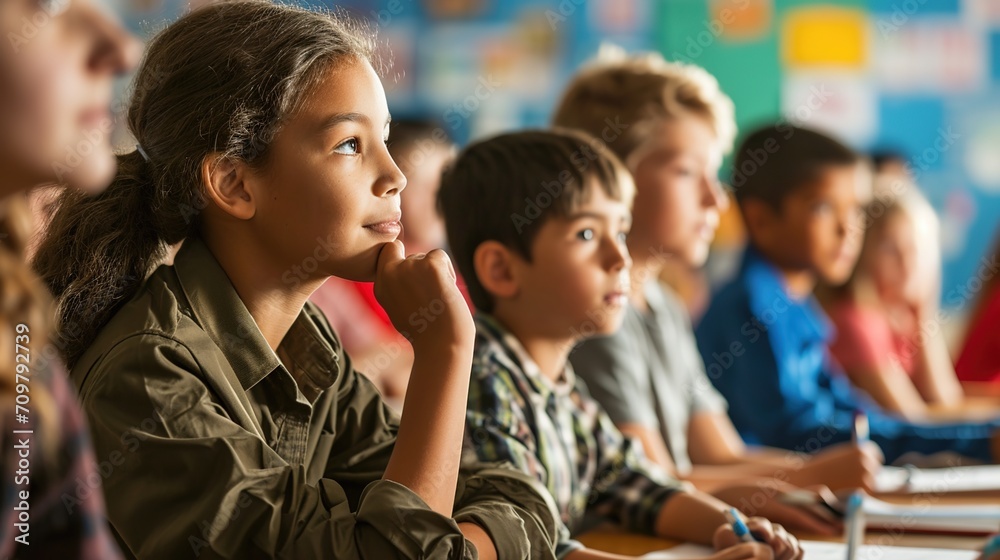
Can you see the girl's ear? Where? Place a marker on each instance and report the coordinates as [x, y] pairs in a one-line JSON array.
[[496, 269], [226, 183]]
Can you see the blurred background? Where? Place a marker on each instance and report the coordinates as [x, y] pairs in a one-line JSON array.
[[914, 77]]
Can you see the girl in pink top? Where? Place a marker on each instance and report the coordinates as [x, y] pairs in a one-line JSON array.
[[889, 338]]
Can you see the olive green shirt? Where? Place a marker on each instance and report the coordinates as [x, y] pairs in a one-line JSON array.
[[211, 446]]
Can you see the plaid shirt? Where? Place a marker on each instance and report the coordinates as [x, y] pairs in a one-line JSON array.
[[555, 432]]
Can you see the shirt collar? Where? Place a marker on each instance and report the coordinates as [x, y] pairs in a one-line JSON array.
[[218, 309], [491, 330], [771, 302]]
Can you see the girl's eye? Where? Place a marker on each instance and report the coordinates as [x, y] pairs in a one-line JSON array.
[[347, 147], [53, 7], [585, 234], [622, 237]]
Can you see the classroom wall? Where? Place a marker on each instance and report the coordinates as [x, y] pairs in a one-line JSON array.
[[918, 76]]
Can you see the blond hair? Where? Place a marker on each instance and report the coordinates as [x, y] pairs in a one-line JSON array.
[[621, 98]]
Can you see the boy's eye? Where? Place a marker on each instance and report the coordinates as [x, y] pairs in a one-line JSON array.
[[347, 147], [622, 237], [821, 207], [585, 234]]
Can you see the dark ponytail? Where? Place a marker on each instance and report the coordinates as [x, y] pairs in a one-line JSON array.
[[218, 82]]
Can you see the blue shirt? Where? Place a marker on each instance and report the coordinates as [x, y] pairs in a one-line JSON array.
[[767, 353]]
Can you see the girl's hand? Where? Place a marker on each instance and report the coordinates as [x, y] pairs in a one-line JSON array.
[[421, 298], [781, 544]]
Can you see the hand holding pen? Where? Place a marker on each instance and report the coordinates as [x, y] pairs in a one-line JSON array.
[[756, 532]]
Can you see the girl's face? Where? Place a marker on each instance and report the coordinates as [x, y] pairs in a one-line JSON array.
[[678, 194], [331, 189], [57, 61], [893, 260]]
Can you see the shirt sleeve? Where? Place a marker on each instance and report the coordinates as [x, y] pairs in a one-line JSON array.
[[704, 396], [496, 432], [628, 488], [188, 481], [617, 376], [508, 505]]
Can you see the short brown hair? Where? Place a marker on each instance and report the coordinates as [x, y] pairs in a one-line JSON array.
[[620, 98], [505, 188], [776, 160]]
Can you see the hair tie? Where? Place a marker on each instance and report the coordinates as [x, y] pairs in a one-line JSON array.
[[142, 152]]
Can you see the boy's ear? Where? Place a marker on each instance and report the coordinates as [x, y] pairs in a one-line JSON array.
[[759, 217], [226, 184], [495, 269]]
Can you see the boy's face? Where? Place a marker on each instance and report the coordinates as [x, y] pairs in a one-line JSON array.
[[678, 194], [576, 284], [819, 227]]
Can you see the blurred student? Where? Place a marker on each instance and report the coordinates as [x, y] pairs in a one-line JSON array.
[[421, 149], [55, 99], [240, 427], [648, 375], [537, 222], [765, 339], [978, 364], [887, 339]]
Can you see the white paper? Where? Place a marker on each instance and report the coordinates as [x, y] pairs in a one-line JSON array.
[[925, 517], [831, 551], [938, 481]]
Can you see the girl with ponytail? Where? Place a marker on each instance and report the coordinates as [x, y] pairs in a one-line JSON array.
[[57, 63], [235, 424]]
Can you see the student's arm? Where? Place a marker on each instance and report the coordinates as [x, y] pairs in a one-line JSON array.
[[934, 374], [427, 453], [891, 388], [712, 440], [863, 347], [186, 479], [652, 445]]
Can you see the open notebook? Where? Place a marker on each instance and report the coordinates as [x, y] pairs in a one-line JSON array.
[[832, 551], [938, 481], [923, 516], [971, 519]]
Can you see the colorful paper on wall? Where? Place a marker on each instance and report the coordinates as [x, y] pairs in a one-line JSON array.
[[825, 36], [939, 55], [741, 20], [842, 103]]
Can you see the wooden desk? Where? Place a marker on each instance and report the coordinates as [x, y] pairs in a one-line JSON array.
[[618, 542]]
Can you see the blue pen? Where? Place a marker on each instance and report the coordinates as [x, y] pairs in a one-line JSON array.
[[861, 430], [739, 527], [854, 524], [992, 547]]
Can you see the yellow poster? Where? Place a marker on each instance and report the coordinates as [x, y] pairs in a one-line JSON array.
[[825, 36]]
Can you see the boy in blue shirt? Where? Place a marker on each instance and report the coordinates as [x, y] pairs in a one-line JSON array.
[[536, 221], [765, 339]]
